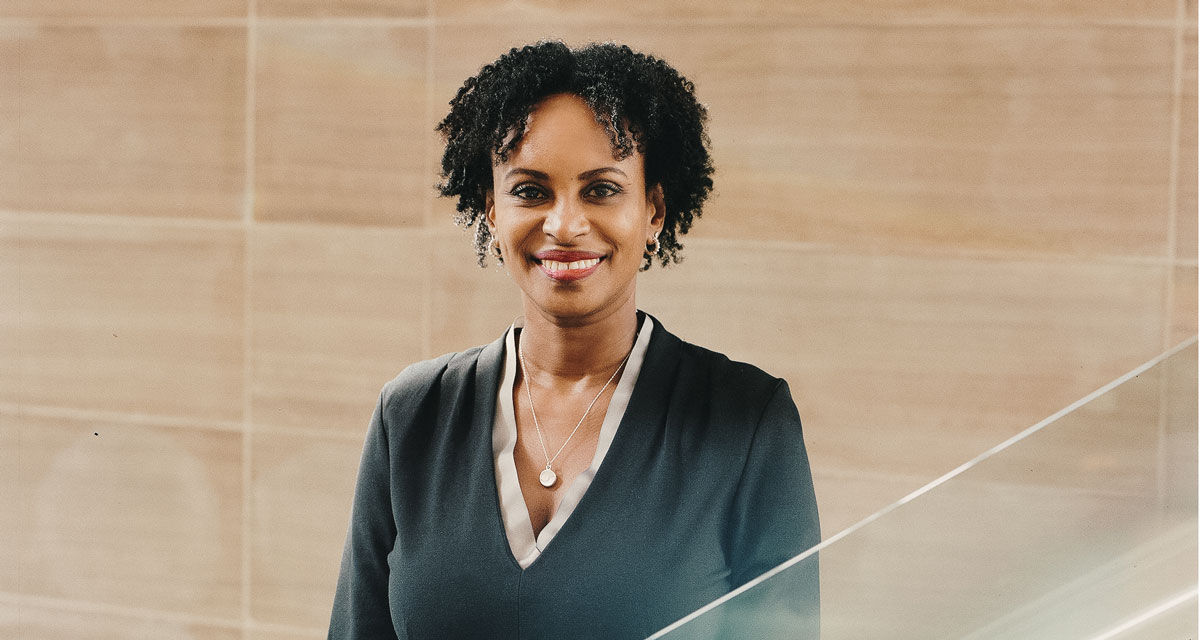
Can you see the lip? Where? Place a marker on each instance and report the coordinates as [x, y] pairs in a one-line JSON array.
[[559, 255], [568, 275]]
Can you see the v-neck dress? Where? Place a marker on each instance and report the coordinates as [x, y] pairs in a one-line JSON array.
[[706, 485], [517, 525]]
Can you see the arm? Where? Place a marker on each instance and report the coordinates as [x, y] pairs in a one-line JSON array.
[[360, 605], [774, 519]]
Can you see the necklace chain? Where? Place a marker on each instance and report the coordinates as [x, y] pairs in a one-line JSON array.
[[537, 425]]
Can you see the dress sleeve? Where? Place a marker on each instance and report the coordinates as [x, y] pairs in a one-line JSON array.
[[360, 604], [774, 520]]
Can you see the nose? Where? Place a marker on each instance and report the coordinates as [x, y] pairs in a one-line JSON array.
[[566, 221]]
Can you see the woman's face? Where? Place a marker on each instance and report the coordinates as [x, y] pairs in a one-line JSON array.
[[572, 222]]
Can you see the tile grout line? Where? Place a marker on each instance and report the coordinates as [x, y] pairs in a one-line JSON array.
[[251, 84], [983, 22], [103, 608], [941, 252], [766, 20], [239, 224], [288, 630], [124, 220], [426, 160], [22, 527], [124, 419], [1168, 308], [427, 201], [312, 433], [1173, 176], [249, 133], [772, 21], [121, 418], [142, 613], [132, 22], [208, 23]]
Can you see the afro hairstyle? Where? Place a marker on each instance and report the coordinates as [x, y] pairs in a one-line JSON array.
[[642, 102]]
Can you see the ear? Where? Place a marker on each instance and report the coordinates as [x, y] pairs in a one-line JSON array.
[[489, 209], [656, 208]]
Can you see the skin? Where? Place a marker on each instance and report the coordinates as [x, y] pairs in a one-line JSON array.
[[563, 189]]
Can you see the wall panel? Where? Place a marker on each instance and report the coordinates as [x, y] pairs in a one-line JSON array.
[[141, 516], [338, 114], [132, 318], [337, 312], [303, 486], [469, 306], [10, 490], [126, 120]]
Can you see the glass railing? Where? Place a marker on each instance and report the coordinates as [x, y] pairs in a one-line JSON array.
[[1082, 526]]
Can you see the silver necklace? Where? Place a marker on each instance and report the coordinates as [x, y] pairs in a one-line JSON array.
[[547, 477]]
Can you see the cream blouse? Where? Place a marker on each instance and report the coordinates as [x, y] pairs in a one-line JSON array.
[[519, 529]]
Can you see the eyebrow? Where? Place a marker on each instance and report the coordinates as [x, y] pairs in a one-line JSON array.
[[540, 175], [595, 172]]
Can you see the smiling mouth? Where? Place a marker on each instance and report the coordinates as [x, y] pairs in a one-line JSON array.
[[554, 265], [569, 271]]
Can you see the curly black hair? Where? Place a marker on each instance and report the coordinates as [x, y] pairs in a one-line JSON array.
[[640, 100]]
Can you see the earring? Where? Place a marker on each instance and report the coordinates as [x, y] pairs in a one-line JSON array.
[[493, 248], [654, 248]]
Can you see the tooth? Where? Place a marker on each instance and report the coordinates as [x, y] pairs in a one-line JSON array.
[[573, 265]]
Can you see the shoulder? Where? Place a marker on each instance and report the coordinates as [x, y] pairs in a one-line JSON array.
[[728, 372], [727, 386], [722, 371], [423, 379]]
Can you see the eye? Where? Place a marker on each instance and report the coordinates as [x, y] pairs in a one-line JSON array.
[[603, 190], [528, 192]]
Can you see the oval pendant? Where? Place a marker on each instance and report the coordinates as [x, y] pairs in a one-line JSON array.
[[547, 477]]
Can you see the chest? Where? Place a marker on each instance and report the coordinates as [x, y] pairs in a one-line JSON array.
[[620, 568], [650, 528], [563, 438]]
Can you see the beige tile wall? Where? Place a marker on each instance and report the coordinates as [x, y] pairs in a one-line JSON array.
[[126, 120], [337, 112], [940, 221], [130, 514]]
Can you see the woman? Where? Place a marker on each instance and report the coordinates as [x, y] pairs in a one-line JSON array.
[[588, 474]]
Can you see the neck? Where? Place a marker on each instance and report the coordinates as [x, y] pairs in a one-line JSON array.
[[578, 351]]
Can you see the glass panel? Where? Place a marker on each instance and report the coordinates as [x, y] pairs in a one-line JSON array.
[[1082, 526]]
